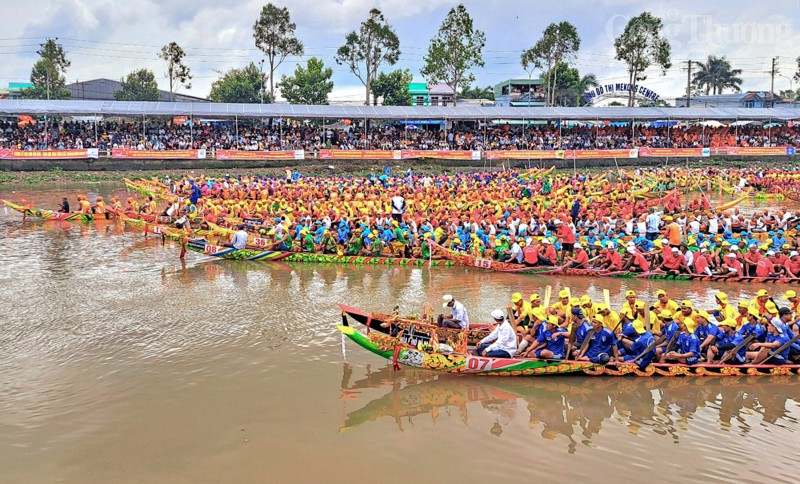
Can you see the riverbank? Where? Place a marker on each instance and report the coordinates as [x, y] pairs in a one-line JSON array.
[[116, 171]]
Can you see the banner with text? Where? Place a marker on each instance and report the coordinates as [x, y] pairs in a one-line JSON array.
[[48, 154], [667, 152], [159, 155], [359, 154], [754, 150], [525, 155], [441, 154], [599, 154], [260, 155]]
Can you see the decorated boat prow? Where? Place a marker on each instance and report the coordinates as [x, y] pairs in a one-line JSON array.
[[44, 214]]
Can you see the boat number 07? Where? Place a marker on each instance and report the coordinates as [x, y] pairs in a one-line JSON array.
[[479, 363], [483, 263]]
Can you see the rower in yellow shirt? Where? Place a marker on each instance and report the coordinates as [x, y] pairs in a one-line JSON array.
[[537, 308], [610, 318], [588, 306], [762, 303], [521, 313], [687, 315], [726, 310], [562, 308]]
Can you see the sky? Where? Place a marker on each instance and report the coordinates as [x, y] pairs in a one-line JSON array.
[[110, 38]]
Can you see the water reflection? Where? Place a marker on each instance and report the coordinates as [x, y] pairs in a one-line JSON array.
[[574, 409]]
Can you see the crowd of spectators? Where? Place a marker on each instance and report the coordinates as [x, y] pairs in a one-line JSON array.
[[154, 135]]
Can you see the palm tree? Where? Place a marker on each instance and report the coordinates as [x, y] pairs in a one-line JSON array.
[[716, 75], [584, 84]]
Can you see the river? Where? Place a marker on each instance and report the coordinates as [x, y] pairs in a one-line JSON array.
[[119, 363]]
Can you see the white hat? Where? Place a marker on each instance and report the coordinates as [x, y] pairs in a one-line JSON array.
[[545, 240], [631, 250], [446, 300], [753, 245], [703, 249], [735, 247], [731, 254], [664, 241], [770, 252], [497, 314], [675, 249], [612, 245], [793, 253], [577, 245], [558, 222], [631, 243]]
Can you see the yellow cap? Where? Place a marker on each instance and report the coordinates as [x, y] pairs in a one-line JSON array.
[[727, 322], [638, 326], [686, 303], [753, 311], [630, 293], [534, 297], [762, 293], [563, 293], [585, 299], [665, 314], [574, 302], [704, 314], [552, 320], [743, 304], [599, 318], [660, 292], [516, 297], [790, 294], [722, 296], [639, 305]]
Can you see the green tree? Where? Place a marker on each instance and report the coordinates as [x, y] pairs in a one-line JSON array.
[[309, 85], [641, 46], [274, 36], [245, 85], [716, 75], [393, 88], [47, 74], [559, 42], [468, 92], [454, 51], [177, 72], [374, 44], [139, 85], [570, 86]]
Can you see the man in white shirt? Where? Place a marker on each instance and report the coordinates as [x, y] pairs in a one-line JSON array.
[[458, 318], [398, 207], [652, 221], [239, 240], [503, 338]]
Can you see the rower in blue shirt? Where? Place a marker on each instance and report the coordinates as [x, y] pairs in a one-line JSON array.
[[602, 344], [753, 326], [688, 347], [778, 241], [582, 328], [776, 338], [706, 331], [727, 340], [550, 344], [636, 340]]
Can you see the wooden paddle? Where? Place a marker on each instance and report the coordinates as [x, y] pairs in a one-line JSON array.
[[671, 342], [607, 298], [547, 293], [585, 344], [729, 354], [650, 348]]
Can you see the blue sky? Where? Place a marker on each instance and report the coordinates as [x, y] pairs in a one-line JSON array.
[[109, 38]]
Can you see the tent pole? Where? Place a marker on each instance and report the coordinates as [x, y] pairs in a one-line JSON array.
[[236, 121]]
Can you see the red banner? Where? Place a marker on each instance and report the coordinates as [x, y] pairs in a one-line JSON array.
[[441, 154], [598, 154], [666, 152], [48, 154], [359, 154], [260, 155], [158, 154], [750, 151], [525, 155]]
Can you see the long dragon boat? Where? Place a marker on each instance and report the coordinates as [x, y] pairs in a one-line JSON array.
[[45, 214], [468, 260], [463, 363]]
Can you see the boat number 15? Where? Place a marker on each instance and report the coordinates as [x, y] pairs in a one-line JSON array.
[[483, 263]]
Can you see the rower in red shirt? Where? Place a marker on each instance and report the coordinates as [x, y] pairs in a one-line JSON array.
[[567, 236], [751, 258], [636, 261], [731, 267], [701, 262], [765, 267], [675, 263], [530, 255], [579, 261], [793, 264]]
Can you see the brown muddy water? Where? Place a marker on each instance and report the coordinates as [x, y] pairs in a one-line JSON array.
[[118, 363]]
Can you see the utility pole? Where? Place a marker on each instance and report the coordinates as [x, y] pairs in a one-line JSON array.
[[261, 92], [772, 78], [689, 84]]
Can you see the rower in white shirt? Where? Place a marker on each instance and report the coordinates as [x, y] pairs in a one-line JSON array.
[[458, 318], [502, 341]]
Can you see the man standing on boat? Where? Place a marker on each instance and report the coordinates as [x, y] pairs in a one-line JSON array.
[[458, 318], [503, 336]]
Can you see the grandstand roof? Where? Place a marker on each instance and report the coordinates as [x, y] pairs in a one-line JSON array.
[[224, 110]]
